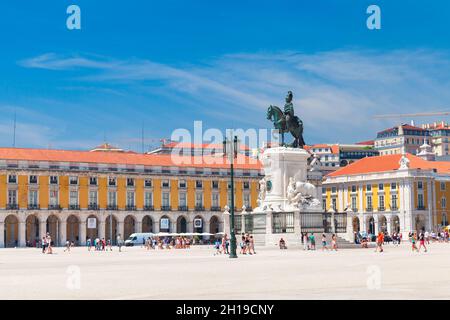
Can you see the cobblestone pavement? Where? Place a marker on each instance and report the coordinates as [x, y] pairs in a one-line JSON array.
[[196, 273]]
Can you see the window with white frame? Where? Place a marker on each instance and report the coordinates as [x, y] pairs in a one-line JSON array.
[[182, 184], [148, 183], [33, 197], [92, 198], [112, 198], [73, 181], [381, 202], [354, 206], [247, 199], [12, 197], [393, 186], [442, 186], [33, 180], [394, 202], [165, 199], [443, 202], [369, 202], [420, 203], [53, 179], [73, 198], [148, 199], [53, 199], [130, 198], [215, 199], [165, 184], [199, 199], [182, 199], [12, 178]]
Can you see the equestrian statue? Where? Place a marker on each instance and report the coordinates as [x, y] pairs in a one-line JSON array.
[[287, 122]]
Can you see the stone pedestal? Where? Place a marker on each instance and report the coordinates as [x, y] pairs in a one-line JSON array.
[[286, 167]]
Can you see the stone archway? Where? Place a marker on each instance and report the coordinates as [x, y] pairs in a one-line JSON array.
[[395, 224], [371, 225], [164, 224], [92, 233], [108, 228], [382, 224], [355, 224], [147, 224], [129, 226], [419, 223], [198, 228], [32, 230], [214, 225], [73, 229], [11, 235], [181, 224], [53, 229]]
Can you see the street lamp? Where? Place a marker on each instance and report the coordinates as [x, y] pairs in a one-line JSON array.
[[230, 149]]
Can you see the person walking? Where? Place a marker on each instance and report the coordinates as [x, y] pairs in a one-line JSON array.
[[68, 245], [252, 244], [312, 241], [305, 241], [324, 242], [380, 241], [413, 242], [334, 242], [89, 244], [119, 242], [44, 244], [49, 244], [422, 241]]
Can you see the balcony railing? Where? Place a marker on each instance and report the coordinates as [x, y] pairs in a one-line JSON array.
[[149, 208], [182, 208], [215, 209], [381, 209], [420, 207], [112, 207], [74, 207], [166, 208], [12, 206], [248, 209], [199, 208], [131, 208], [54, 207], [369, 209], [93, 207], [33, 207]]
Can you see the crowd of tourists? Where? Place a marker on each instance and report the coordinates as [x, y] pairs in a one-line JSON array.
[[246, 245], [167, 243]]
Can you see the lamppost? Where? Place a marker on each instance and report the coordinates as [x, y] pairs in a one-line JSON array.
[[230, 149]]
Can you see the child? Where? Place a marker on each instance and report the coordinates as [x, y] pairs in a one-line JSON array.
[[324, 242]]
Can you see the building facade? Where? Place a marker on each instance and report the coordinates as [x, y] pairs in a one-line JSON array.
[[401, 139], [75, 195], [392, 193]]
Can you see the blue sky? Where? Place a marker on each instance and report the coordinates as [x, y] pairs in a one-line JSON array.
[[164, 64]]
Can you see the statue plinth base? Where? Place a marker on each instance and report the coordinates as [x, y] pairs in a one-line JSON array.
[[287, 193]]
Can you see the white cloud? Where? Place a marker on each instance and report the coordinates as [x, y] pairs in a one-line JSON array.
[[336, 93]]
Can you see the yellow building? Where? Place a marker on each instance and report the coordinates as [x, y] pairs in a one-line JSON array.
[[74, 195], [393, 193]]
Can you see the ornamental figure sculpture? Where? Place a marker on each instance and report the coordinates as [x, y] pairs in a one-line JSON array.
[[287, 121]]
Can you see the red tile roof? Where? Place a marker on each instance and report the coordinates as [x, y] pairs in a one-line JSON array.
[[389, 163], [125, 158]]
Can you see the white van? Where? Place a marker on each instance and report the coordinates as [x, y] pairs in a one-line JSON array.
[[137, 239]]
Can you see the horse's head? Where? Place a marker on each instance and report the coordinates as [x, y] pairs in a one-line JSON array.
[[269, 112]]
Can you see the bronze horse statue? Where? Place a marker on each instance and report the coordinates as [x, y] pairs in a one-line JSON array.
[[287, 122]]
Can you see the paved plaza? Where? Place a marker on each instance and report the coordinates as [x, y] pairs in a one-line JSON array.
[[195, 273]]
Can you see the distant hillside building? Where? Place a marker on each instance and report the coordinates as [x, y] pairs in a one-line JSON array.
[[334, 156], [401, 139]]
